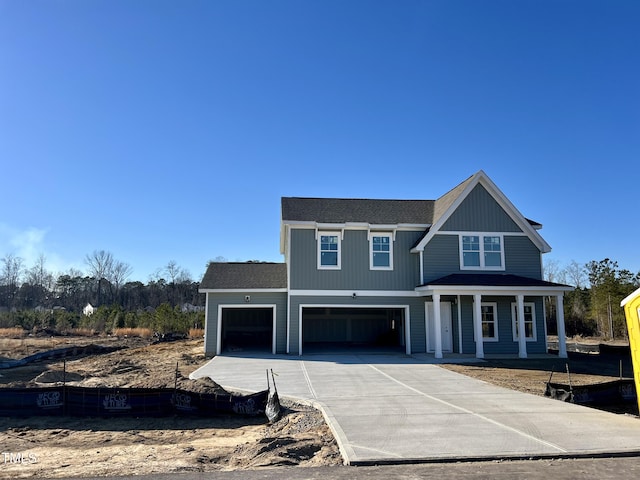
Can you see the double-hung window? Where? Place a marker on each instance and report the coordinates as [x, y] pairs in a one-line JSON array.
[[489, 312], [329, 250], [381, 251], [529, 322], [481, 252]]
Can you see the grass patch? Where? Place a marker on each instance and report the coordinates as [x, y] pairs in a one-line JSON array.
[[12, 332], [133, 332], [196, 332]]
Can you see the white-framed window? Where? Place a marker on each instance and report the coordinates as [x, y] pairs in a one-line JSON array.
[[529, 321], [329, 250], [381, 251], [481, 251], [489, 313]]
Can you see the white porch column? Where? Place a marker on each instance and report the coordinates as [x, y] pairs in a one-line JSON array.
[[477, 325], [522, 334], [437, 325], [562, 336]]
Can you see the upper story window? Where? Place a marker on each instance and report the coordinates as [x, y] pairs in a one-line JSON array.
[[481, 252], [329, 250], [529, 322], [381, 251]]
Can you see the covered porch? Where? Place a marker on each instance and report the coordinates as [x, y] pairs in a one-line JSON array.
[[480, 291]]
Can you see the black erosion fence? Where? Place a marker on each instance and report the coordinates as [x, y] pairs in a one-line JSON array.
[[128, 402]]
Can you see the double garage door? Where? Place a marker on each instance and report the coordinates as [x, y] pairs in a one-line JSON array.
[[340, 328]]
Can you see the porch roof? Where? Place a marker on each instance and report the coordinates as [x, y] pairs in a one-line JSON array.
[[461, 283]]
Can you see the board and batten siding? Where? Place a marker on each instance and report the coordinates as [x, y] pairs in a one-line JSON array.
[[279, 299], [479, 212], [416, 312], [355, 272], [442, 257], [506, 345]]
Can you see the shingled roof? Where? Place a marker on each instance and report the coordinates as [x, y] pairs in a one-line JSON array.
[[244, 275], [342, 210]]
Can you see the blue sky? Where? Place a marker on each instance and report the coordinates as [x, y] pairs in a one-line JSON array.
[[169, 130]]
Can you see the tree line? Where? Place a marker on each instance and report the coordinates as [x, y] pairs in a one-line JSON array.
[[593, 307], [34, 296]]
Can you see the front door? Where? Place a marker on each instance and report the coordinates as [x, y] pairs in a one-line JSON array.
[[446, 332]]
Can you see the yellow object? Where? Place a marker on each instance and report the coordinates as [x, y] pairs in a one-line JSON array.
[[631, 306]]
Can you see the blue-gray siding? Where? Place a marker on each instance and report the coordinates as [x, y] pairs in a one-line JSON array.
[[506, 344], [279, 299], [416, 315], [479, 212], [355, 273], [442, 257]]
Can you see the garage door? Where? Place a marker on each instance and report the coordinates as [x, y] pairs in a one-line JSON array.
[[337, 328], [247, 329]]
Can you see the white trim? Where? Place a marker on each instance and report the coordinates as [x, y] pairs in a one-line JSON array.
[[350, 293], [481, 252], [288, 263], [206, 321], [339, 236], [407, 318], [391, 237], [490, 289], [514, 309], [236, 306], [312, 225], [459, 324], [491, 188], [243, 290]]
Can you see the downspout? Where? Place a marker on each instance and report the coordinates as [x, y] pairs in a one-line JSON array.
[[287, 259]]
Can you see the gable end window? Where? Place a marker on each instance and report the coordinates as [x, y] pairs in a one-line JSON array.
[[481, 252], [329, 251], [381, 251], [529, 322]]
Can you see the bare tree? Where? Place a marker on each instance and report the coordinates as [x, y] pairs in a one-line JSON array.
[[576, 274], [100, 265], [10, 273]]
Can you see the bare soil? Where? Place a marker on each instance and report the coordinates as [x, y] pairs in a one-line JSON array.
[[63, 447], [66, 447]]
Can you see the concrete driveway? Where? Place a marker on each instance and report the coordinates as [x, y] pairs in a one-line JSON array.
[[400, 409]]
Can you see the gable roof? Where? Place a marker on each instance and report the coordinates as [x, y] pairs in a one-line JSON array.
[[343, 210], [450, 201], [244, 276]]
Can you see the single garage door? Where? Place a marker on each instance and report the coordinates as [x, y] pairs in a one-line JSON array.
[[338, 328], [247, 329]]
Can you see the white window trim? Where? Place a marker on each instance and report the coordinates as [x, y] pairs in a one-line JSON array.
[[514, 313], [390, 236], [496, 337], [338, 235], [481, 251]]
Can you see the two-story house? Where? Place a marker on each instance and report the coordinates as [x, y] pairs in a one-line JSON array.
[[460, 274]]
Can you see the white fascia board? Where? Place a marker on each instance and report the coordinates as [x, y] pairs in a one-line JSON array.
[[242, 290], [350, 293], [355, 226], [491, 290], [503, 201]]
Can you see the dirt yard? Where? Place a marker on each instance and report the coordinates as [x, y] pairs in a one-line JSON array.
[[65, 447]]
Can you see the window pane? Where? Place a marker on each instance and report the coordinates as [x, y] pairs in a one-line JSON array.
[[471, 259], [492, 259], [488, 330], [491, 244], [380, 259], [471, 243], [329, 258]]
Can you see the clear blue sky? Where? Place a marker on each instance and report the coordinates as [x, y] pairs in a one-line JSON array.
[[169, 130]]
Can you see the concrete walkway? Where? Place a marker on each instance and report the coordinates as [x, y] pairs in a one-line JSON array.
[[399, 409]]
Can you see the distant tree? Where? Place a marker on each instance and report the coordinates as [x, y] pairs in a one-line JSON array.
[[11, 270], [100, 265]]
